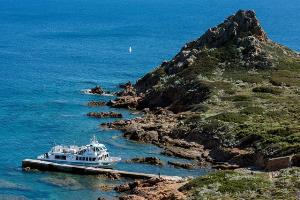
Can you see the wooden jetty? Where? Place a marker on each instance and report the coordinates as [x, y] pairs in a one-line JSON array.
[[29, 164]]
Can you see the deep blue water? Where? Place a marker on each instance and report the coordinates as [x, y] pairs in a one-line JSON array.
[[52, 49]]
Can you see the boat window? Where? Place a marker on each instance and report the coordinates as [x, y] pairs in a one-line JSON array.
[[59, 157], [86, 158], [94, 159], [76, 157]]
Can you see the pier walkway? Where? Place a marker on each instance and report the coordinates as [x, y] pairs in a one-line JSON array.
[[28, 164]]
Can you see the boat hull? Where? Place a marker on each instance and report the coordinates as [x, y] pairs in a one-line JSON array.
[[109, 163]]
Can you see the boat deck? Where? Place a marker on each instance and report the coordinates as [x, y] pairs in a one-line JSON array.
[[84, 170]]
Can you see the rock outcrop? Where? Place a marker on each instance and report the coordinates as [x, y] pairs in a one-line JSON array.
[[124, 102], [147, 160], [174, 85], [155, 188], [97, 90], [182, 165]]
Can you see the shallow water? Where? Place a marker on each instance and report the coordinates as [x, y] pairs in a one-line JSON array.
[[50, 50]]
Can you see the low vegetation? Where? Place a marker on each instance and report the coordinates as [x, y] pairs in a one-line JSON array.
[[246, 84], [243, 184]]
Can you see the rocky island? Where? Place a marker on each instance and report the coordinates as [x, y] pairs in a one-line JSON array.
[[229, 98]]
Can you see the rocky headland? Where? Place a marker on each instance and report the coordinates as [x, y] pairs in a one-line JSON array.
[[229, 98]]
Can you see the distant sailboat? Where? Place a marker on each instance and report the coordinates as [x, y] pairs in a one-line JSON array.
[[130, 49]]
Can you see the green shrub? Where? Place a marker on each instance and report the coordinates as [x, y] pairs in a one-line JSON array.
[[241, 98], [285, 77], [230, 117], [230, 182], [252, 110]]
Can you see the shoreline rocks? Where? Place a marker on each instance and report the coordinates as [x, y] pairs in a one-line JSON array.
[[182, 165], [105, 115], [154, 188], [147, 160], [97, 90], [124, 102]]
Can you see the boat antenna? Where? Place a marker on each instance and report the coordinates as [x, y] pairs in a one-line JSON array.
[[94, 139]]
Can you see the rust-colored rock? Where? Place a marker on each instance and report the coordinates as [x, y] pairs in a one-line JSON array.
[[278, 163], [155, 188]]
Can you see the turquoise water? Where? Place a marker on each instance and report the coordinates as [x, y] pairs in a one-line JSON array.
[[52, 49]]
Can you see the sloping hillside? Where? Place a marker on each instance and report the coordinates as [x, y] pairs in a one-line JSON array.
[[238, 82]]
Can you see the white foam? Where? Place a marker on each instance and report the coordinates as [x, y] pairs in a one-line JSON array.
[[89, 92]]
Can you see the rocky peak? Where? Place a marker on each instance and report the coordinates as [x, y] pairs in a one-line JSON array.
[[237, 45], [237, 26]]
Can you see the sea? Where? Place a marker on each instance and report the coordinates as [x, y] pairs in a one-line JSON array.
[[51, 50]]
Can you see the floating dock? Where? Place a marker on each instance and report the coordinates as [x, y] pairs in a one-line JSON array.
[[29, 164]]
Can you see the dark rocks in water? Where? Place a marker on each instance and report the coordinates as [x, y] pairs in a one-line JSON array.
[[119, 125], [97, 90], [182, 165], [147, 160], [105, 115], [96, 103]]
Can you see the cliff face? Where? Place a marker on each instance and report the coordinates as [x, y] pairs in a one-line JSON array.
[[242, 89]]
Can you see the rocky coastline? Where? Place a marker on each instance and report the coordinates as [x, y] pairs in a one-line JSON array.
[[229, 99], [184, 118]]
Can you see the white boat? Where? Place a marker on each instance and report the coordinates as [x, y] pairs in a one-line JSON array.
[[93, 154]]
